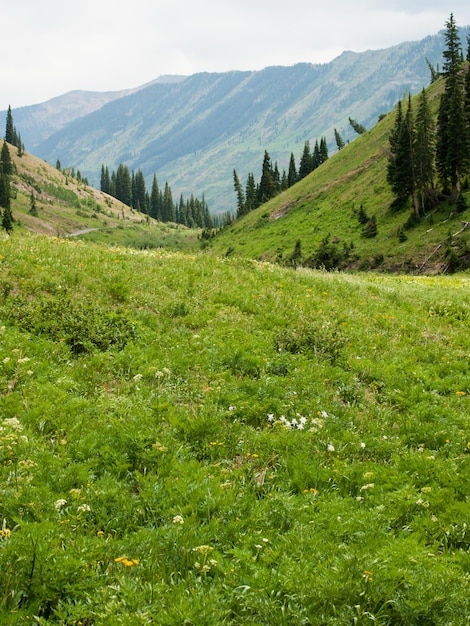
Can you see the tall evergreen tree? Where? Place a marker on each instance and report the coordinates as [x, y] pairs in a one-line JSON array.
[[339, 140], [323, 150], [5, 160], [316, 156], [156, 200], [359, 128], [9, 128], [292, 174], [123, 185], [424, 149], [240, 195], [139, 194], [168, 207], [267, 186], [306, 161], [452, 144], [400, 163], [5, 202], [251, 193]]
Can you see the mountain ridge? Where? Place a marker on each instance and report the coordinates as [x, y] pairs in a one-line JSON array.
[[196, 131]]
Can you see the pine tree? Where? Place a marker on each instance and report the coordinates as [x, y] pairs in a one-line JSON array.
[[306, 164], [424, 149], [5, 202], [139, 194], [452, 156], [240, 195], [323, 150], [168, 207], [10, 129], [359, 128], [251, 193], [339, 140], [292, 175], [267, 186], [317, 156], [5, 160], [123, 185], [400, 173], [156, 200]]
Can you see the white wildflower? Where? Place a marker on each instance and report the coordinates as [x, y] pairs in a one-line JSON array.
[[178, 519], [331, 447], [59, 504]]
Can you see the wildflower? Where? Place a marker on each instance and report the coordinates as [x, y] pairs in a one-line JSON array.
[[271, 417], [202, 549], [13, 423], [213, 562], [83, 508], [460, 393], [368, 486], [99, 533], [363, 445], [331, 447], [5, 533], [178, 519], [59, 504], [231, 408], [137, 377], [24, 360]]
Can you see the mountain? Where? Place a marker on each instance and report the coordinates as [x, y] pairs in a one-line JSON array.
[[196, 131], [39, 121]]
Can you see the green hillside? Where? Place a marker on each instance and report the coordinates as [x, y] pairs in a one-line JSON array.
[[68, 207], [192, 440], [327, 202]]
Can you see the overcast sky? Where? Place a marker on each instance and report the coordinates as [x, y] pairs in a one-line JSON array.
[[50, 47]]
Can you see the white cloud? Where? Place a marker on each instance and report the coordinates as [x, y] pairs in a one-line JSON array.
[[103, 44]]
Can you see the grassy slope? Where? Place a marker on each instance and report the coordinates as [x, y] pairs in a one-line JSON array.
[[66, 206], [143, 481], [325, 203]]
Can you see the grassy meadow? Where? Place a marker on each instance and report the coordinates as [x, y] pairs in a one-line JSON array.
[[194, 440]]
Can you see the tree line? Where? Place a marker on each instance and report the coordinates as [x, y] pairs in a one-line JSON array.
[[429, 162], [129, 187], [271, 182]]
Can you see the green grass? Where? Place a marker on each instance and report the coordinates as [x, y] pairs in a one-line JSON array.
[[192, 440]]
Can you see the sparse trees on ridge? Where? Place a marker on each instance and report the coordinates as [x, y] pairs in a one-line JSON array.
[[272, 182]]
